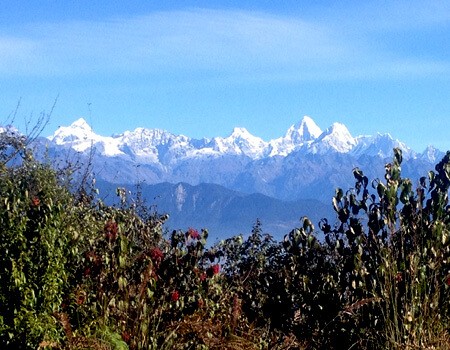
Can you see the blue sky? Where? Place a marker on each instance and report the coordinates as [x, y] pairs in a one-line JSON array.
[[199, 68]]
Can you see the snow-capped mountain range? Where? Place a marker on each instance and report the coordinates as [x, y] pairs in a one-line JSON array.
[[305, 163], [160, 146], [226, 183]]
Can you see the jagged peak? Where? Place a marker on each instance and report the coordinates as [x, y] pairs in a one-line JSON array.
[[305, 130], [432, 153], [307, 123], [337, 130], [336, 138], [337, 127], [80, 123], [78, 130], [240, 131], [144, 131], [154, 136], [304, 135]]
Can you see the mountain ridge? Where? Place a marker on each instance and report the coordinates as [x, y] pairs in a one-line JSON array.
[[156, 145], [222, 211], [226, 183], [305, 163]]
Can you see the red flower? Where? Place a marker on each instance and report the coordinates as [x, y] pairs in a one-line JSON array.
[[93, 258], [126, 336], [213, 270], [193, 233], [448, 280], [175, 296], [35, 201], [399, 277], [111, 230], [156, 255], [203, 277], [80, 297]]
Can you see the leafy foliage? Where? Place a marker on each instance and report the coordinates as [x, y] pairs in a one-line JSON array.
[[75, 273]]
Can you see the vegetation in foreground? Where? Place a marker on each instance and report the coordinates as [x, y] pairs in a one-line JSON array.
[[77, 274]]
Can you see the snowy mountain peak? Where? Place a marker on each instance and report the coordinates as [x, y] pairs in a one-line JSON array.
[[241, 141], [80, 123], [338, 128], [380, 145], [305, 130], [79, 131], [80, 136], [240, 132], [432, 154], [243, 135], [157, 146], [309, 128], [336, 138], [151, 136]]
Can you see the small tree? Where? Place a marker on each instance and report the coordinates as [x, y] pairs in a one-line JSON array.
[[35, 248], [392, 249]]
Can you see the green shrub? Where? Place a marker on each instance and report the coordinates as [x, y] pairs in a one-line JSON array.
[[78, 274], [392, 252], [35, 250]]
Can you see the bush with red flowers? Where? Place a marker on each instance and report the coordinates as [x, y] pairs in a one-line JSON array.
[[110, 230], [175, 295], [192, 233], [156, 255], [75, 272], [213, 270]]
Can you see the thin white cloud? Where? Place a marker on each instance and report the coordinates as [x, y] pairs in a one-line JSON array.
[[217, 40], [238, 44]]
